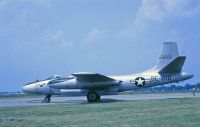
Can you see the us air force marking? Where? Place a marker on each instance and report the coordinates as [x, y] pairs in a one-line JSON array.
[[139, 81]]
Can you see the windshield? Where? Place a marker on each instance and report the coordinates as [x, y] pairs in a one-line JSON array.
[[55, 77]]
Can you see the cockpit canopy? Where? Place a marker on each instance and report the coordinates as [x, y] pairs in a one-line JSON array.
[[55, 77]]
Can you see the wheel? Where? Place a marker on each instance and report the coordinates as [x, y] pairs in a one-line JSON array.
[[47, 99], [93, 97]]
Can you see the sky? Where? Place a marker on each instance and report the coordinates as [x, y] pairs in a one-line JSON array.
[[40, 38]]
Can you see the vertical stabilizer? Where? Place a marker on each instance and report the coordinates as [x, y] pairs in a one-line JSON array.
[[168, 54]]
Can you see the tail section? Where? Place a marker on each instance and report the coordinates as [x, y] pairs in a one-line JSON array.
[[169, 60], [175, 66]]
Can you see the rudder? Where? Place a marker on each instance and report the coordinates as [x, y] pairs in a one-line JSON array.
[[168, 54]]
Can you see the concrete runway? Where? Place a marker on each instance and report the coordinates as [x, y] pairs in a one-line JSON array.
[[29, 101]]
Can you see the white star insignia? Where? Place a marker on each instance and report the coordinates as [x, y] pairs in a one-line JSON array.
[[140, 82]]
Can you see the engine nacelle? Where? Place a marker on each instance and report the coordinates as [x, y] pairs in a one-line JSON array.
[[74, 84], [110, 91], [66, 84]]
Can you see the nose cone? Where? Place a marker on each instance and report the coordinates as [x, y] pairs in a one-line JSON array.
[[29, 88]]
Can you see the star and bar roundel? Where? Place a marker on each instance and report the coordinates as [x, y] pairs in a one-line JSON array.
[[140, 82]]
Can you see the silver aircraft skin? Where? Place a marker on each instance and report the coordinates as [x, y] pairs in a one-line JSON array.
[[94, 85]]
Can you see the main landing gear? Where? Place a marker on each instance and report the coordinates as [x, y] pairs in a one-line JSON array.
[[47, 99], [93, 97]]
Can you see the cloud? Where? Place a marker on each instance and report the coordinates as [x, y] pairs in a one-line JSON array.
[[149, 9], [93, 36], [46, 3], [4, 3], [161, 10], [56, 38], [157, 12]]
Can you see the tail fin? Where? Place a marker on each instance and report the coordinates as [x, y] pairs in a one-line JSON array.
[[169, 60]]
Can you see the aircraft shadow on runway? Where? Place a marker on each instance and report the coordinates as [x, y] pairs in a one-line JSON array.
[[105, 100]]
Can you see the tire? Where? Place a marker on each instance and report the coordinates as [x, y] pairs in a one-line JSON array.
[[92, 97], [47, 100]]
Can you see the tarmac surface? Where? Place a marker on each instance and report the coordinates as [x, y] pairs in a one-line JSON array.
[[30, 101]]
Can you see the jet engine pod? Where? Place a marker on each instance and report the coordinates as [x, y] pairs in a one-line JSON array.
[[63, 84]]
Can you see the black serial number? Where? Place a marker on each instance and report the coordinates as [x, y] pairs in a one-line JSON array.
[[165, 57], [162, 78]]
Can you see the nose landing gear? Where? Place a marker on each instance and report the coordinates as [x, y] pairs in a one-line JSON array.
[[47, 99]]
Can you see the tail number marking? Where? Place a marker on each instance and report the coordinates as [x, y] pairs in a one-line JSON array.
[[162, 78]]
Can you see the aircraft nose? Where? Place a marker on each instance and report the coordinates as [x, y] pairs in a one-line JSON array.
[[28, 88]]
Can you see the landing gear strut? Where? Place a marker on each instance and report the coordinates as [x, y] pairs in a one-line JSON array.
[[47, 99], [93, 97]]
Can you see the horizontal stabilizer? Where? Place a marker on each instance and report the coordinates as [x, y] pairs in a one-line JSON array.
[[175, 66]]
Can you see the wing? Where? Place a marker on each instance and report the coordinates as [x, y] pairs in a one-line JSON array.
[[91, 77]]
